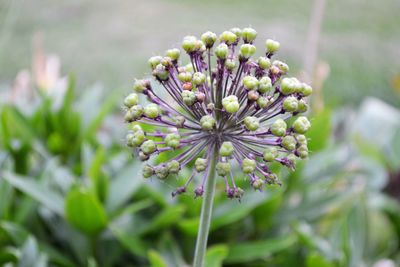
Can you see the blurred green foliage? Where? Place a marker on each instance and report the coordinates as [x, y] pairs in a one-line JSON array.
[[71, 195]]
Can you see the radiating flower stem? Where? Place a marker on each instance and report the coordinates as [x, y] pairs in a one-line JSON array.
[[206, 211]]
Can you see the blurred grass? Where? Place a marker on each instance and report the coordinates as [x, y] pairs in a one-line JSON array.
[[109, 41]]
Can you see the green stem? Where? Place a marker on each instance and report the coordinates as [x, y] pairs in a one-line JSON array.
[[206, 211]]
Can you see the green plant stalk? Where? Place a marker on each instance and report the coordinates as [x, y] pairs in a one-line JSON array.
[[205, 216]]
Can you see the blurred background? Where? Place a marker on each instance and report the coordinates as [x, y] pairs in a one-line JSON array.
[[71, 194]]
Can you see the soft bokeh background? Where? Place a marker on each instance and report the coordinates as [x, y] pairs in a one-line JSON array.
[[71, 195]]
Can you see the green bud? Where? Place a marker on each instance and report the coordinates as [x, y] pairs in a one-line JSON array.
[[189, 97], [199, 78], [226, 149], [200, 164], [264, 85], [185, 76], [221, 51], [292, 158], [248, 35], [223, 168], [230, 64], [173, 53], [228, 37], [154, 61], [248, 165], [270, 154], [207, 122], [250, 82], [173, 166], [136, 128], [208, 38], [257, 184], [272, 46], [147, 171], [303, 107], [289, 85], [282, 66], [289, 142], [247, 50], [290, 104], [278, 128], [306, 90], [189, 43], [301, 139], [238, 192], [251, 123], [135, 112], [131, 100], [237, 31], [152, 110], [189, 67], [143, 156], [302, 151], [148, 147], [172, 140], [161, 72], [264, 63], [140, 85], [166, 61], [231, 104], [135, 139], [301, 125], [162, 172], [262, 102]]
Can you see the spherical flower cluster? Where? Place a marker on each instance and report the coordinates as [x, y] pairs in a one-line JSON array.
[[224, 103]]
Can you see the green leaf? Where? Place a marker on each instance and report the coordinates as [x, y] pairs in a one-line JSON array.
[[244, 252], [156, 259], [320, 131], [129, 241], [31, 256], [97, 176], [215, 255], [317, 260], [84, 211], [38, 192], [167, 217]]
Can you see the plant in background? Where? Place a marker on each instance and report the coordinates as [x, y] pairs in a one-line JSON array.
[[235, 110]]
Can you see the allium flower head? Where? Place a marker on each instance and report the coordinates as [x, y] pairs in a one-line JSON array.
[[223, 101]]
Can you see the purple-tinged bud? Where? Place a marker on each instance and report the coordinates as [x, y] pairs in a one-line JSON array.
[[188, 86], [253, 95], [200, 97], [199, 191]]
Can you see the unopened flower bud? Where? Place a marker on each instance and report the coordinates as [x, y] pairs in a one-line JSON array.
[[200, 97], [223, 168], [250, 82], [264, 85], [251, 123], [173, 53], [166, 61], [262, 102], [207, 122], [173, 166], [237, 32], [172, 140], [152, 110], [185, 76], [188, 97], [284, 68], [131, 100], [290, 104], [162, 172], [148, 147], [161, 72], [289, 142], [253, 95], [199, 78], [306, 90], [270, 154], [135, 139], [247, 50], [301, 139], [143, 156], [249, 35], [228, 37], [278, 128], [257, 184], [289, 85], [221, 51], [230, 64], [147, 171], [189, 43], [272, 46], [302, 151], [199, 191], [154, 61], [226, 149], [238, 192], [248, 165], [136, 128], [301, 125], [210, 107], [134, 113], [140, 85], [200, 164], [302, 106], [231, 103], [209, 38], [264, 63]]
